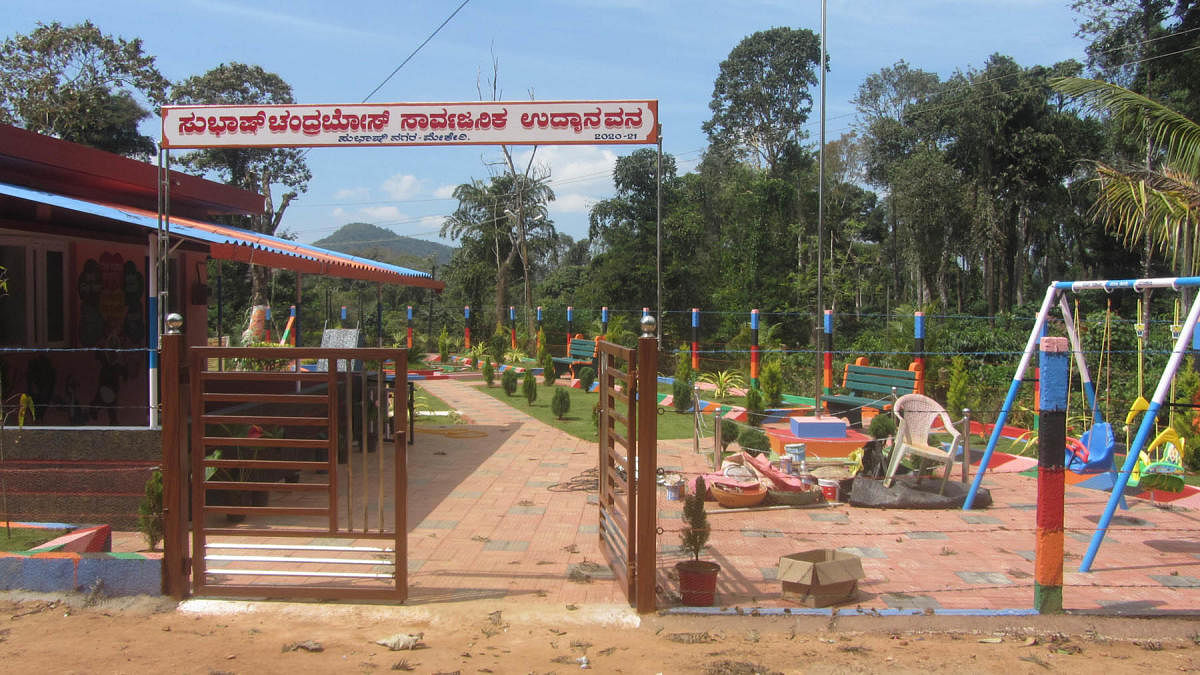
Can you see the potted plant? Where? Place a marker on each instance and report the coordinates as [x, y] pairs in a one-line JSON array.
[[697, 578], [882, 427]]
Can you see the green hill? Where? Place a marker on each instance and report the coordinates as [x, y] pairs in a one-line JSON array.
[[377, 243]]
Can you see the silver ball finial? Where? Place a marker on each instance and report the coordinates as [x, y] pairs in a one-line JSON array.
[[174, 323], [648, 326]]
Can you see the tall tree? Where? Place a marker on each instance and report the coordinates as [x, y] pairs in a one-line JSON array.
[[77, 84], [761, 96], [261, 170]]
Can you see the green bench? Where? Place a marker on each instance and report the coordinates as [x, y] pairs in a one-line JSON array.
[[869, 387], [582, 352]]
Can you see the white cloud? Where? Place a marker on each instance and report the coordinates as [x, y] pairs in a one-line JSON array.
[[354, 194], [444, 192], [574, 203], [402, 186], [381, 213]]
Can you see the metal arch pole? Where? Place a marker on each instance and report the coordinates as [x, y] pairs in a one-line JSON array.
[[1143, 434], [820, 216], [658, 237], [1030, 346]]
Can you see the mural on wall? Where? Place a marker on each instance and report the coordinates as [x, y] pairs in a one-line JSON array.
[[110, 301]]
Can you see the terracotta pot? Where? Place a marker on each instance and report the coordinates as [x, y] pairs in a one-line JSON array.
[[697, 582]]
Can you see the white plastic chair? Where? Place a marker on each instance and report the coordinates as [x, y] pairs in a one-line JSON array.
[[916, 414]]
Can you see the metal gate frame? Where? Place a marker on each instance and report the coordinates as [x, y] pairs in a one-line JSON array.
[[628, 499], [186, 376]]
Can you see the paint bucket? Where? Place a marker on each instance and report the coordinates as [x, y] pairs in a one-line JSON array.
[[674, 491], [797, 452], [829, 488], [785, 464]]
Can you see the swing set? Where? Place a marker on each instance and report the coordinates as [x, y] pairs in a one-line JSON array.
[[1149, 464]]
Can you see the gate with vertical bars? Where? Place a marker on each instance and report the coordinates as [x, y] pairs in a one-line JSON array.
[[297, 477]]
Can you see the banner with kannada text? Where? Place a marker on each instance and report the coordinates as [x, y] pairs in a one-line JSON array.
[[371, 124]]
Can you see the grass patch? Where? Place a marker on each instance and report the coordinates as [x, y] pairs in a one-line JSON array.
[[25, 538], [578, 422]]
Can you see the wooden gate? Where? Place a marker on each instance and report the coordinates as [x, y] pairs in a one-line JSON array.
[[628, 465], [293, 491]]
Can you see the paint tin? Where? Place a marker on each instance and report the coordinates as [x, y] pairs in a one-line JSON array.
[[829, 488]]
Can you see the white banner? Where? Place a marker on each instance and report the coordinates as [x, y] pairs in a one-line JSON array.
[[365, 124]]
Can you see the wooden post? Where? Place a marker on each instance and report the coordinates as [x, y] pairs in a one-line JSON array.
[[1052, 436], [466, 327], [647, 466], [919, 350], [754, 348], [696, 338], [175, 489]]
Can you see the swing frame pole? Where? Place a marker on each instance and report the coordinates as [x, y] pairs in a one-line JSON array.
[[1147, 425]]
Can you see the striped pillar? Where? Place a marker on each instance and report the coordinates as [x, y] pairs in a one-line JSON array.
[[696, 338], [410, 332], [467, 327], [512, 327], [268, 324], [570, 329], [342, 321], [539, 328], [1196, 349], [1052, 437], [604, 321], [919, 350], [827, 374], [754, 348]]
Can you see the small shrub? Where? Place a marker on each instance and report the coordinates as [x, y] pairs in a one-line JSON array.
[[723, 382], [694, 534], [561, 403], [771, 380], [596, 417], [444, 346], [529, 387], [509, 381], [882, 426], [755, 410], [500, 341], [587, 377], [489, 373], [150, 511], [754, 440], [515, 356], [681, 391], [956, 395], [547, 363]]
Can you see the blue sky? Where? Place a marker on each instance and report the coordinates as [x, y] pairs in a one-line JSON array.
[[670, 50]]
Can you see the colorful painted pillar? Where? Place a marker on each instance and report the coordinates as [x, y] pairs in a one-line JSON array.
[[827, 363], [919, 350], [570, 327], [467, 327], [696, 338], [1196, 349], [539, 328], [754, 348], [292, 328], [408, 317], [604, 321], [268, 324], [1052, 443], [342, 320], [512, 327]]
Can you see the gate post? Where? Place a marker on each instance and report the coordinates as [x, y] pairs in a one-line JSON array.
[[175, 489], [647, 466]]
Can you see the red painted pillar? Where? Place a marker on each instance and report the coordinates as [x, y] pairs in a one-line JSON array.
[[754, 348], [467, 327]]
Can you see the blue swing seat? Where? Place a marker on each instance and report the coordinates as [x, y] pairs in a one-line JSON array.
[[1093, 452]]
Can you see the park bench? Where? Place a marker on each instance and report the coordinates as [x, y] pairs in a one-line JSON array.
[[582, 352], [869, 387]]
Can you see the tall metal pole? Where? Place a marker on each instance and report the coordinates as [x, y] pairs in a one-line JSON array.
[[658, 237], [821, 193]]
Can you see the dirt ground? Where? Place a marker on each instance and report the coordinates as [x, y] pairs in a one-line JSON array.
[[72, 634]]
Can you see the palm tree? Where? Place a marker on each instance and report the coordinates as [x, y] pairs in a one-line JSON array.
[[1159, 202]]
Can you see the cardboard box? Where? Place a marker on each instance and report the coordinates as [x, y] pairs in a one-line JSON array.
[[820, 577]]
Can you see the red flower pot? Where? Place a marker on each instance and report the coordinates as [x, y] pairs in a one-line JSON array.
[[697, 582]]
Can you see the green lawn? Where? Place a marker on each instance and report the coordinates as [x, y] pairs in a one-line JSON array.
[[578, 422], [25, 538]]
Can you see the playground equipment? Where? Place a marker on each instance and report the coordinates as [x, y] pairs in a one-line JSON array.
[[1055, 295]]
